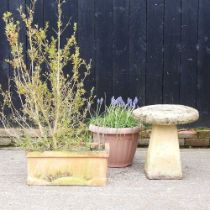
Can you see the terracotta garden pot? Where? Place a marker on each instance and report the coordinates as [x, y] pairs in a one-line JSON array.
[[68, 168], [122, 141]]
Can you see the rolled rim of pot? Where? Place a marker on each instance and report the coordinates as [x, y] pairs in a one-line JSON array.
[[107, 130]]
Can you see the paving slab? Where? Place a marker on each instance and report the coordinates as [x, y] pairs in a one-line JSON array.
[[128, 188]]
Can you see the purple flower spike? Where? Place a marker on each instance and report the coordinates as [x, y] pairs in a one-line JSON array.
[[120, 101], [98, 101], [113, 101], [101, 101], [129, 102], [135, 102]]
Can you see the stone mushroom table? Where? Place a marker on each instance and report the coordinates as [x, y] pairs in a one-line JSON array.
[[163, 156]]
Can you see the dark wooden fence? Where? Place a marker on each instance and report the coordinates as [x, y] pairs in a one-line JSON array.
[[158, 50]]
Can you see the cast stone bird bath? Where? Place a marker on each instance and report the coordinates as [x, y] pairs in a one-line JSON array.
[[163, 156]]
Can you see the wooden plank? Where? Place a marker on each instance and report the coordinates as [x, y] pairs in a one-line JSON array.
[[137, 49], [172, 39], [4, 52], [189, 32], [70, 13], [103, 37], [154, 67], [203, 77], [86, 36], [50, 15], [121, 48]]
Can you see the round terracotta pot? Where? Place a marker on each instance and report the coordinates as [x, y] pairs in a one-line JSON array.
[[122, 142]]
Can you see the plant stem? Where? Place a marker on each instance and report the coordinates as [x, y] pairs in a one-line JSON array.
[[58, 102]]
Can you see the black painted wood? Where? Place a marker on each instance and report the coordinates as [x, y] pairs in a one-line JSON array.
[[13, 8], [38, 20], [104, 54], [4, 48], [50, 15], [86, 33], [203, 77], [171, 50], [120, 48], [137, 49], [70, 15], [39, 12], [154, 68], [189, 47], [157, 50]]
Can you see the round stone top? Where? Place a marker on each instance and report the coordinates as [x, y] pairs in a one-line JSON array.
[[166, 114]]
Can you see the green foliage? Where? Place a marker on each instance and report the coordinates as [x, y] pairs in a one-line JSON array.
[[54, 103], [116, 115]]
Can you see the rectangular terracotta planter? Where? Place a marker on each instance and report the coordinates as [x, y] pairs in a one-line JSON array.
[[68, 168]]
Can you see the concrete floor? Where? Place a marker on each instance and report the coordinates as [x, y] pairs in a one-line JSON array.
[[128, 189]]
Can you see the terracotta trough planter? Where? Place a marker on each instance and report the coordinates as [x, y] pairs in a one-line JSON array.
[[67, 168], [122, 141]]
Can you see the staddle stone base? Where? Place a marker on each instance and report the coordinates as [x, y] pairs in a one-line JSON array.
[[163, 156]]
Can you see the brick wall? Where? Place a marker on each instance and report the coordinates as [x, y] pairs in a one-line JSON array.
[[187, 138]]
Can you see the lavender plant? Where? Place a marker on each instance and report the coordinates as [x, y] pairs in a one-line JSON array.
[[52, 102], [117, 115]]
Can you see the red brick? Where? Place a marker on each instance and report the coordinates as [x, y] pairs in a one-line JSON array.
[[184, 134], [181, 142], [197, 142], [202, 134], [143, 142], [145, 134]]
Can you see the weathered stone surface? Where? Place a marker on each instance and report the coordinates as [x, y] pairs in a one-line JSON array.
[[163, 156], [5, 141], [166, 114], [9, 132], [14, 132], [145, 142], [67, 168]]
